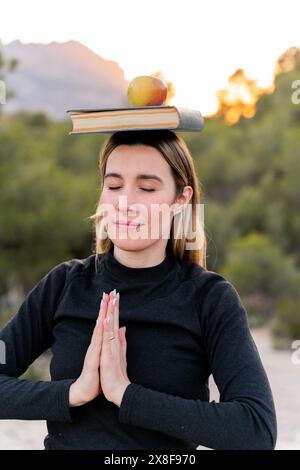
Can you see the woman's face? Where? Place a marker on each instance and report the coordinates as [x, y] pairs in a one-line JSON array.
[[139, 188]]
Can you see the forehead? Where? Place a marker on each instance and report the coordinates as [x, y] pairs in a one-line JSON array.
[[137, 159]]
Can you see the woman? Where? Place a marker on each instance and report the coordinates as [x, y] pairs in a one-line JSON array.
[[147, 389]]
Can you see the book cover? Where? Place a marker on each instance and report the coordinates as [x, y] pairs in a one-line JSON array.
[[184, 118]]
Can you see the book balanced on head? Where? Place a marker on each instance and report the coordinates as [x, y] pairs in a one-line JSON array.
[[114, 119]]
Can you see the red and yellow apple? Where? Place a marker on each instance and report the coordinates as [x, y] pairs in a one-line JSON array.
[[147, 90]]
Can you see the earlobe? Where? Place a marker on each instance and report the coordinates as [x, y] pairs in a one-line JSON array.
[[178, 210]]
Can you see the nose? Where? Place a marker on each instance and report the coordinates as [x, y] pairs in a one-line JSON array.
[[127, 204]]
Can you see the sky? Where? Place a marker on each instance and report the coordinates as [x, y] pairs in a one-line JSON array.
[[195, 44]]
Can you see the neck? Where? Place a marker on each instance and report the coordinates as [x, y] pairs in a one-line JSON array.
[[145, 258]]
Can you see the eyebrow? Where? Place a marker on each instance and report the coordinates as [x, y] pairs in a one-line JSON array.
[[139, 177]]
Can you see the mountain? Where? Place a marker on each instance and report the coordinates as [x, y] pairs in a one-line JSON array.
[[55, 77]]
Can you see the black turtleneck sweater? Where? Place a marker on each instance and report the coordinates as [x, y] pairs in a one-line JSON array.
[[183, 323]]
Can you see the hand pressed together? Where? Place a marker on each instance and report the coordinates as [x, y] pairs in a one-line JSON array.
[[105, 366]]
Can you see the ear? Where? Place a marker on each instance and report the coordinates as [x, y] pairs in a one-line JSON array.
[[183, 199]]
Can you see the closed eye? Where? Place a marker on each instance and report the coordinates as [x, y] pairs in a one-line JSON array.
[[143, 189]]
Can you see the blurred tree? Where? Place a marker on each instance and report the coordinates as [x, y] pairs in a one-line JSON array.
[[6, 66], [49, 205], [286, 324], [239, 99], [288, 61], [261, 273]]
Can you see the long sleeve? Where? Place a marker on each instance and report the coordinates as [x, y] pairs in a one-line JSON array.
[[245, 417], [23, 339]]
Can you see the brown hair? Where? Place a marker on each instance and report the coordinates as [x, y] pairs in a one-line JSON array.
[[175, 151]]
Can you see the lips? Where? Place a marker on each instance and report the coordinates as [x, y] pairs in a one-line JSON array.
[[127, 224]]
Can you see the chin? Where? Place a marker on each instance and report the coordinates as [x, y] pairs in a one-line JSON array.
[[132, 245]]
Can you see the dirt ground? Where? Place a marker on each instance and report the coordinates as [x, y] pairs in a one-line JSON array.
[[284, 377]]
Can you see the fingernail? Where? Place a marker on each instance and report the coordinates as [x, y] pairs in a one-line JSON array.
[[101, 303], [114, 292], [108, 318], [103, 296]]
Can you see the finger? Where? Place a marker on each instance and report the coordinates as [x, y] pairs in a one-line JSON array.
[[103, 309], [124, 349], [121, 336], [116, 312], [110, 304], [92, 358], [103, 306], [109, 331], [96, 340], [108, 299], [97, 335], [124, 344], [125, 341], [97, 329]]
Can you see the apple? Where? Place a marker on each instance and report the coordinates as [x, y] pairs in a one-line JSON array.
[[147, 90]]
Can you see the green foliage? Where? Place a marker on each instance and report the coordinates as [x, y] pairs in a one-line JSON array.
[[32, 373], [49, 200], [262, 274], [255, 263], [287, 318], [6, 66]]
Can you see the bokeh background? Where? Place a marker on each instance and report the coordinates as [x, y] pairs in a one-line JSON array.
[[239, 63]]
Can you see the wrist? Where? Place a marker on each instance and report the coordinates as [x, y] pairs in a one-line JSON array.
[[120, 392], [74, 396]]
